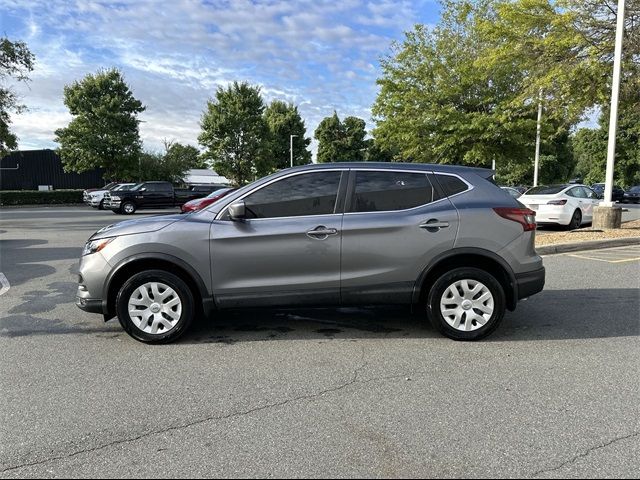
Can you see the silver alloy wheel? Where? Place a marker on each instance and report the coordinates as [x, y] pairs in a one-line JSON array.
[[155, 308], [129, 208], [467, 305]]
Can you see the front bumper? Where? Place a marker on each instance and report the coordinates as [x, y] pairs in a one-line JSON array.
[[93, 271], [90, 305], [530, 283]]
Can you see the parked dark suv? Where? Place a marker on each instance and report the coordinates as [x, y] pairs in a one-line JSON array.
[[440, 238]]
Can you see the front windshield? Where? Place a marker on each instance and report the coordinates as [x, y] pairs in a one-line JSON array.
[[137, 186], [545, 190]]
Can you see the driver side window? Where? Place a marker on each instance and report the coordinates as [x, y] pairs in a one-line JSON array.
[[300, 195]]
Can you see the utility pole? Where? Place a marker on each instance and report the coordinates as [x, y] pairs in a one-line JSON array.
[[536, 165], [613, 119], [291, 147], [606, 215]]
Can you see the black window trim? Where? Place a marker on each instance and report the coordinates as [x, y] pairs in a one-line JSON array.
[[352, 179], [223, 214]]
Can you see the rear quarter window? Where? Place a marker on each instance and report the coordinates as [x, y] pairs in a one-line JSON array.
[[451, 185]]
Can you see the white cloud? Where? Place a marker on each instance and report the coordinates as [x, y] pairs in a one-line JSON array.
[[319, 54]]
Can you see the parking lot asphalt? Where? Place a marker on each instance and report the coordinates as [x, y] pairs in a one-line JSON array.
[[554, 393]]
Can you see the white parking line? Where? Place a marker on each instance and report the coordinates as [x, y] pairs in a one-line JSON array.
[[4, 284]]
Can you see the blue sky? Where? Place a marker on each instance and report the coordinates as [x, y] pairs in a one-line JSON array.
[[321, 55]]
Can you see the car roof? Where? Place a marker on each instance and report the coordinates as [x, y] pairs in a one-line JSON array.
[[431, 167]]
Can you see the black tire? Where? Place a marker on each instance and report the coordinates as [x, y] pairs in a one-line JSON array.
[[128, 208], [438, 289], [576, 220], [177, 284], [101, 206]]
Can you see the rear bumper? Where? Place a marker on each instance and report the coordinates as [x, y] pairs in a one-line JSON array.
[[530, 283]]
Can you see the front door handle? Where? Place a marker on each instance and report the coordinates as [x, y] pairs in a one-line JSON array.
[[434, 225], [321, 232]]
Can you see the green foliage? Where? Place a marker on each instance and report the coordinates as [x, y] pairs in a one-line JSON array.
[[104, 129], [16, 61], [170, 166], [234, 133], [34, 197], [282, 121], [436, 105], [466, 91], [341, 141], [590, 147]]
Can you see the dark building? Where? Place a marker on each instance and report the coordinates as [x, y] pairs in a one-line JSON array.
[[27, 169]]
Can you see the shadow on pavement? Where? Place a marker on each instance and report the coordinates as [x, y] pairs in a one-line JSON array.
[[550, 315], [21, 263]]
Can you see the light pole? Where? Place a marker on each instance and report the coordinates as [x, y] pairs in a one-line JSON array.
[[613, 119], [291, 147], [606, 215], [536, 165]]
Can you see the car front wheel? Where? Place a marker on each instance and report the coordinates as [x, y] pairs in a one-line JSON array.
[[155, 307], [466, 304]]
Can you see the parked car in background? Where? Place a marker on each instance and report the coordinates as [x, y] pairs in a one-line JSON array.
[[521, 188], [200, 203], [512, 191], [632, 195], [568, 205], [96, 198], [148, 195], [616, 196], [440, 239], [85, 194]]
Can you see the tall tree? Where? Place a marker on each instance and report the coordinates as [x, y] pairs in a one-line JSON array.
[[16, 61], [354, 137], [436, 105], [330, 135], [104, 131], [234, 133], [284, 120], [186, 155], [590, 147], [171, 165], [340, 141]]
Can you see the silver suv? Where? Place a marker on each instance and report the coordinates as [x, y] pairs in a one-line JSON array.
[[440, 238]]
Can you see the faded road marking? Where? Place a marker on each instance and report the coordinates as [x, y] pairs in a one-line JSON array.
[[4, 284]]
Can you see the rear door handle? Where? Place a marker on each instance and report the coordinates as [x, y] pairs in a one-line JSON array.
[[321, 232], [434, 225]]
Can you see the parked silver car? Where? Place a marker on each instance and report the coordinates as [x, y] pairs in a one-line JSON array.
[[440, 238]]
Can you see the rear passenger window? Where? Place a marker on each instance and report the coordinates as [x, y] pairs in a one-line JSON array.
[[451, 185], [386, 191]]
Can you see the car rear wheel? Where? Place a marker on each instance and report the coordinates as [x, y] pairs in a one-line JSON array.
[[576, 220], [466, 304], [155, 307]]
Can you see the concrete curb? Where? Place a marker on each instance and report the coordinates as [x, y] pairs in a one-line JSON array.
[[589, 245]]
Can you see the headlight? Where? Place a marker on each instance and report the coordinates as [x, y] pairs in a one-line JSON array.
[[96, 245], [115, 198]]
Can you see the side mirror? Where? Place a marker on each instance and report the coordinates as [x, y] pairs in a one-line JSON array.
[[143, 189], [237, 210]]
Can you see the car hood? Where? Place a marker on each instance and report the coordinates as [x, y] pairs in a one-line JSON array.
[[142, 225]]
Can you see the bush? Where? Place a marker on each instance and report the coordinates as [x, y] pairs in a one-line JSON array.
[[34, 197]]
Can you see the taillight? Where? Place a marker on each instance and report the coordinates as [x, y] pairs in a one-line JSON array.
[[557, 202], [524, 216]]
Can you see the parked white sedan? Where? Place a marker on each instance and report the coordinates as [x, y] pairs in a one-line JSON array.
[[568, 205]]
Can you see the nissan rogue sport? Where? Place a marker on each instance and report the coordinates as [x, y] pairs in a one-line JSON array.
[[442, 239]]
